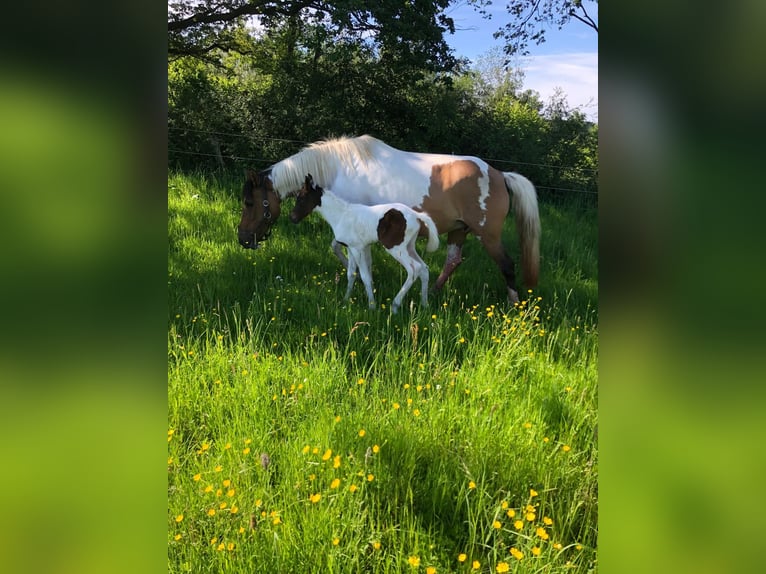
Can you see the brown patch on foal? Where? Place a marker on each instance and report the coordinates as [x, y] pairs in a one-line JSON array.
[[391, 228]]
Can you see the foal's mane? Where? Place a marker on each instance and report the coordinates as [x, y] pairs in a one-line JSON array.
[[322, 159]]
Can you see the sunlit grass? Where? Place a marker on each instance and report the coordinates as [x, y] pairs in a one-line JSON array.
[[307, 434]]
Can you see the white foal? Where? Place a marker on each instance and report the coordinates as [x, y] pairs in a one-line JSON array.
[[358, 226]]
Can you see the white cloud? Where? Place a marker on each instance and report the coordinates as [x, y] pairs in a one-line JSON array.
[[575, 73]]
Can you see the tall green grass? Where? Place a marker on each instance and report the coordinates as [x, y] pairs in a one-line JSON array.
[[311, 435]]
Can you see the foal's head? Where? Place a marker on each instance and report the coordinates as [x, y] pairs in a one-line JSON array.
[[309, 197]]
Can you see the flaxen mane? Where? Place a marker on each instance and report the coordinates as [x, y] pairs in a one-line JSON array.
[[322, 159]]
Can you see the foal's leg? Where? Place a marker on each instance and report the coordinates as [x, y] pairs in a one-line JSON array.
[[423, 273], [455, 240], [399, 252], [365, 270], [350, 274]]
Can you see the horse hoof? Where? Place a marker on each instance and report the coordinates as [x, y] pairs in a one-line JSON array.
[[513, 296]]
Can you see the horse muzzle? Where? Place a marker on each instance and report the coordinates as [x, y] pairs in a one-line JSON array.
[[248, 241]]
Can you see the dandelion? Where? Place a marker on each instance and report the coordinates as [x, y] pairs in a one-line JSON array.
[[416, 412], [536, 551], [461, 340], [196, 477], [209, 488], [370, 477], [376, 545], [461, 557], [248, 441], [542, 533], [546, 439], [205, 446], [218, 468], [337, 419], [414, 561], [246, 450], [430, 570], [497, 525], [177, 537], [226, 483], [258, 503], [518, 525], [566, 448], [221, 546], [527, 425], [170, 460], [471, 485], [335, 483], [336, 461], [362, 432], [532, 492], [504, 504], [306, 449], [314, 498], [213, 540], [502, 567], [230, 492], [557, 546], [353, 488], [230, 546], [360, 382], [475, 565], [578, 547], [375, 449], [179, 518], [335, 541], [327, 454], [530, 516], [234, 509], [547, 521], [517, 554], [396, 406], [211, 512], [277, 520]]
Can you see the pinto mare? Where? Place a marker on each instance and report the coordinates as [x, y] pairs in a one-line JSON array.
[[358, 226], [462, 194]]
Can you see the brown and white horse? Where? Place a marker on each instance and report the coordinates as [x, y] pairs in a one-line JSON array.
[[462, 194]]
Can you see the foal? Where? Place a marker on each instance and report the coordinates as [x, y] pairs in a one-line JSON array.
[[358, 226]]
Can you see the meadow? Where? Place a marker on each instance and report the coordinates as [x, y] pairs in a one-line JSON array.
[[306, 434]]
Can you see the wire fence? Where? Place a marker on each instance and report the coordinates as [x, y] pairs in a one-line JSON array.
[[546, 177]]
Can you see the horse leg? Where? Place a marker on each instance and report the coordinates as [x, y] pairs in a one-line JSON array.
[[337, 248], [455, 240], [498, 253], [412, 267], [365, 270]]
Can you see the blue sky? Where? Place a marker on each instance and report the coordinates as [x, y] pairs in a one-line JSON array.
[[568, 59]]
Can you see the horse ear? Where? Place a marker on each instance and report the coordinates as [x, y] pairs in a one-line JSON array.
[[309, 182]]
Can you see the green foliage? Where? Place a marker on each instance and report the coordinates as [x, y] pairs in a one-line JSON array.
[[435, 423]]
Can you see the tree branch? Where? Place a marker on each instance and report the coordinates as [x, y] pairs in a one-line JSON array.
[[587, 20]]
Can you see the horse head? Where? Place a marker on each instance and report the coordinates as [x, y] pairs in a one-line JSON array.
[[309, 197], [260, 208]]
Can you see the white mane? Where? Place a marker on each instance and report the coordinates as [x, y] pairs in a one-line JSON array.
[[322, 160]]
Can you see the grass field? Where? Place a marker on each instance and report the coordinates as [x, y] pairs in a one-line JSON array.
[[306, 434]]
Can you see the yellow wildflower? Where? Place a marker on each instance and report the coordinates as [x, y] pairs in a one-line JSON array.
[[179, 518], [211, 512], [362, 432], [335, 483], [375, 449], [335, 541], [497, 525], [502, 567], [414, 561], [536, 551], [511, 513], [518, 555], [353, 488], [566, 448], [226, 483], [177, 537], [532, 492], [327, 454], [461, 557], [518, 525], [336, 461], [430, 570], [547, 520], [542, 533], [314, 498], [370, 477], [530, 516], [197, 476], [475, 565], [376, 545], [471, 485]]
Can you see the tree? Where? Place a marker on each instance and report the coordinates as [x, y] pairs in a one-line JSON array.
[[532, 18], [400, 30]]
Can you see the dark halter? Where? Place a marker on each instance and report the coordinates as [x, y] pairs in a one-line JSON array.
[[266, 207]]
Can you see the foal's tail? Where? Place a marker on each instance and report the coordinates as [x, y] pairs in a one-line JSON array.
[[524, 199], [433, 233]]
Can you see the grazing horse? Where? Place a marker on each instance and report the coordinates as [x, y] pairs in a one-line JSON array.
[[462, 194], [358, 226]]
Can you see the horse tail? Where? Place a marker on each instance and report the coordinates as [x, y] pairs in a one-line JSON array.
[[433, 233], [524, 199]]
